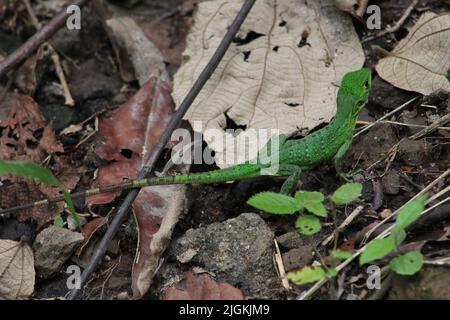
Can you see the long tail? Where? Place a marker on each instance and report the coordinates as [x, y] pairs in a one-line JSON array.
[[239, 172]]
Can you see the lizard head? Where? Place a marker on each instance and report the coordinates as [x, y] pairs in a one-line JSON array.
[[355, 87]]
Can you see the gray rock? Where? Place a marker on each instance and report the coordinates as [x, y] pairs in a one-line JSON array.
[[239, 251], [431, 283], [52, 247]]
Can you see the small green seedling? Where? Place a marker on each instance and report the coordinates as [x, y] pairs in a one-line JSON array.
[[38, 173], [406, 264], [312, 202], [308, 224]]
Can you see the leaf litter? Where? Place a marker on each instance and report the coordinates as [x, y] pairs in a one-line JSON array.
[[153, 242], [421, 62], [282, 72]]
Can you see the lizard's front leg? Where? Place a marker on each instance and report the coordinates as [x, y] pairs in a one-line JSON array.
[[338, 161]]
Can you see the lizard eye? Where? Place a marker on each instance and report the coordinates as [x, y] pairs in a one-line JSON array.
[[366, 84]]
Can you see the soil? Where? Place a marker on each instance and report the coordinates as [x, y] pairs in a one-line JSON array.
[[96, 84]]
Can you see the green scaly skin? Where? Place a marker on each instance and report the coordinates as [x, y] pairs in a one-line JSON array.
[[295, 156]]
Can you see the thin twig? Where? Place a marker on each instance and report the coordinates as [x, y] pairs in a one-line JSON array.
[[352, 216], [401, 124], [280, 265], [33, 43], [391, 154], [397, 25], [310, 292], [165, 138], [385, 116], [394, 214], [55, 57]]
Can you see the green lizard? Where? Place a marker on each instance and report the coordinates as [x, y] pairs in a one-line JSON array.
[[294, 155]]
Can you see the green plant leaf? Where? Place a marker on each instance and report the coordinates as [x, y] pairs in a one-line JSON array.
[[59, 222], [71, 207], [339, 254], [306, 275], [376, 249], [411, 211], [407, 264], [332, 272], [398, 235], [29, 170], [312, 201], [308, 225], [346, 193], [275, 203]]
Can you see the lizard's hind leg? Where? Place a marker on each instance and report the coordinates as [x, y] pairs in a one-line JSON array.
[[293, 173]]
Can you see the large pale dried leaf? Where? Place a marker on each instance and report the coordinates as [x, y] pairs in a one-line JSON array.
[[282, 74], [156, 209], [202, 287], [421, 61], [17, 272]]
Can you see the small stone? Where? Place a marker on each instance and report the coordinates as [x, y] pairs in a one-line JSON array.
[[414, 152], [298, 258], [54, 246], [391, 183], [290, 240], [123, 296]]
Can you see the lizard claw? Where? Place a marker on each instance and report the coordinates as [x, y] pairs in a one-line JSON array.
[[347, 176]]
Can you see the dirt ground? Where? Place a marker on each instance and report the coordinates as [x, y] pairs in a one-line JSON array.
[[97, 85]]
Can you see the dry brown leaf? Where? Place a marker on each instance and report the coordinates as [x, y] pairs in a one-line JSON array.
[[25, 135], [170, 42], [283, 75], [17, 274], [24, 192], [143, 118], [202, 287], [128, 137], [89, 229], [421, 61], [156, 211]]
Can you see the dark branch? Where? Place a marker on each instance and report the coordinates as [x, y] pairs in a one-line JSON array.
[[32, 44], [157, 151]]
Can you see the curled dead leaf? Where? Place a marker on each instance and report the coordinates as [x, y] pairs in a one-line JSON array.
[[139, 58], [156, 209], [421, 61], [25, 135], [17, 274]]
